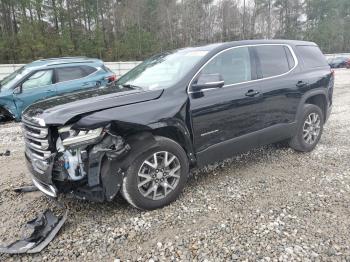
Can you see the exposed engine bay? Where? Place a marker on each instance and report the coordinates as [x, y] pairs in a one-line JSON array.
[[89, 171]]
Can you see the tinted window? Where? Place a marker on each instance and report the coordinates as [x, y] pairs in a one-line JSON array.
[[233, 65], [312, 56], [88, 70], [273, 60], [38, 79], [72, 73]]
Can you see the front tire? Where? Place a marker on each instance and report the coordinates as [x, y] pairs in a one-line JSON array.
[[309, 130], [156, 177]]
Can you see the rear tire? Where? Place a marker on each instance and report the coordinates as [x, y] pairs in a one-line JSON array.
[[156, 177], [309, 129]]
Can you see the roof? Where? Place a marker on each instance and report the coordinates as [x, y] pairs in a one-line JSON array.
[[51, 62], [225, 45]]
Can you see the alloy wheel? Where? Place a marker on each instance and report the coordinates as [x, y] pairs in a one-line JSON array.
[[312, 128], [159, 175]]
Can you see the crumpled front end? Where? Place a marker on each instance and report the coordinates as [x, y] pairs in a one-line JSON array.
[[81, 163]]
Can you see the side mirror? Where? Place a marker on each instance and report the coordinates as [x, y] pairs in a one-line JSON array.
[[205, 81], [17, 90]]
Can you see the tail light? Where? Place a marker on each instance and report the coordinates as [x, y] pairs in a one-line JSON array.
[[111, 78], [333, 72]]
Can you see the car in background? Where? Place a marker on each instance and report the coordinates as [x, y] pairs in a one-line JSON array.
[[339, 62], [47, 78]]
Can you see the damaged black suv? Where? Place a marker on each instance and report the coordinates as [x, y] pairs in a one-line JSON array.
[[177, 110]]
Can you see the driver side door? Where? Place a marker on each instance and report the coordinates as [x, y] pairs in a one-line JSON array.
[[224, 120], [37, 86]]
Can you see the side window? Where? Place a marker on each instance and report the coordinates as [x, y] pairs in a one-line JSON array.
[[312, 56], [38, 79], [233, 65], [88, 70], [72, 73], [273, 60]]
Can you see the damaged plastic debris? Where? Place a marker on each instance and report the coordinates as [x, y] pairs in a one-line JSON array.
[[44, 228], [6, 153], [25, 189]]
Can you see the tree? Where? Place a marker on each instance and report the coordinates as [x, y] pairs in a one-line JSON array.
[[134, 29]]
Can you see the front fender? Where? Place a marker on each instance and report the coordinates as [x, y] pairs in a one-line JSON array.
[[7, 103], [166, 117]]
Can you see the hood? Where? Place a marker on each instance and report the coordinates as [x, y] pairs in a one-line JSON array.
[[5, 92], [59, 110]]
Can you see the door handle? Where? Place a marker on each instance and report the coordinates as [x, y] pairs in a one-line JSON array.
[[301, 84], [252, 93]]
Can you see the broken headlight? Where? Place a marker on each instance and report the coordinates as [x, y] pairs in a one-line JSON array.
[[73, 137]]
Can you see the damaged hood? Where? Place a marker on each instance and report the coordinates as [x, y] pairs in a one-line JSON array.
[[60, 109]]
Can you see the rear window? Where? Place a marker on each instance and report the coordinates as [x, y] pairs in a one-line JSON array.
[[88, 70], [312, 56], [273, 60]]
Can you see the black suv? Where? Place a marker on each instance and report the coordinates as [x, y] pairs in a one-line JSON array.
[[177, 110]]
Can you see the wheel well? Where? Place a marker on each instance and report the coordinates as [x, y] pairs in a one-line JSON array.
[[174, 134], [4, 113], [320, 101]]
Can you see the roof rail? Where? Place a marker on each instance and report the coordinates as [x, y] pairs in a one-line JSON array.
[[64, 57], [71, 62]]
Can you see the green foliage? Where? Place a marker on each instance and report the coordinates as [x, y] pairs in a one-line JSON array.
[[135, 29], [329, 24]]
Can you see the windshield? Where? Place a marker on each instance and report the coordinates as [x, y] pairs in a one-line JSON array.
[[161, 71], [8, 81]]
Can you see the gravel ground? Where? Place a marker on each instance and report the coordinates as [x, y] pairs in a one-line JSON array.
[[271, 204]]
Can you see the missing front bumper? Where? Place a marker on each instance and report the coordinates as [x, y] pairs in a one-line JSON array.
[[102, 181], [42, 180]]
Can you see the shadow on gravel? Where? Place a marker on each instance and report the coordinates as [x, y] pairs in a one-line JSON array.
[[239, 162]]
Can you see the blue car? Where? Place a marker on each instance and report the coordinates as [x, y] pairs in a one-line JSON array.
[[47, 78]]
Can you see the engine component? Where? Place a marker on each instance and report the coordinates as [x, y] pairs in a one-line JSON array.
[[72, 161]]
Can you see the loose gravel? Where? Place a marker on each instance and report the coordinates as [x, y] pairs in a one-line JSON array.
[[270, 204]]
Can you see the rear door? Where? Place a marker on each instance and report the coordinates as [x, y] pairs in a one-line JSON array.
[[277, 71], [72, 78], [38, 85]]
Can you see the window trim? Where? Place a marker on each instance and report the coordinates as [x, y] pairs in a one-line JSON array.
[[250, 81], [56, 68]]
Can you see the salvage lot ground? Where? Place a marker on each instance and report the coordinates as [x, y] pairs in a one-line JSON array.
[[269, 204]]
